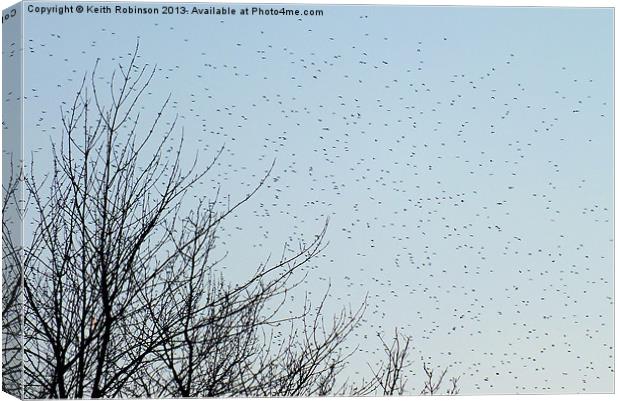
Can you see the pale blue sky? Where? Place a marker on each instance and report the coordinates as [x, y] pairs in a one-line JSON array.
[[464, 156]]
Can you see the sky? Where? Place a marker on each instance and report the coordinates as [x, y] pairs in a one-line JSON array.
[[463, 156]]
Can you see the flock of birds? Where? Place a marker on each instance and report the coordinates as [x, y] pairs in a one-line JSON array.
[[471, 205]]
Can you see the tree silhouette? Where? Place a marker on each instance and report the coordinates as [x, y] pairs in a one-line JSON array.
[[122, 292], [12, 301]]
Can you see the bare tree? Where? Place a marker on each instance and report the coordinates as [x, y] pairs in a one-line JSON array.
[[121, 286], [123, 295], [390, 376], [12, 304], [433, 381]]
